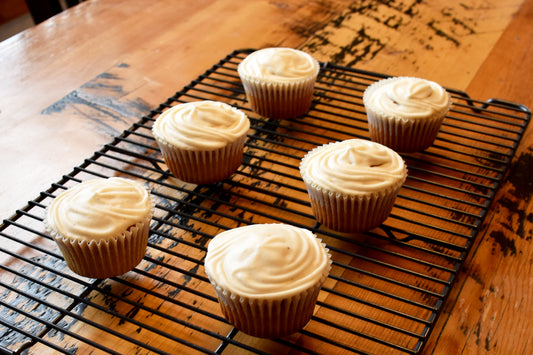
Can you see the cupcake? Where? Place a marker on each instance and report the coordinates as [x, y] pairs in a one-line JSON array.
[[101, 226], [202, 142], [279, 82], [405, 113], [352, 184], [267, 277]]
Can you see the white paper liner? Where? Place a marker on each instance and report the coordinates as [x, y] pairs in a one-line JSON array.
[[279, 100], [351, 214], [203, 167], [106, 258], [269, 318], [403, 135]]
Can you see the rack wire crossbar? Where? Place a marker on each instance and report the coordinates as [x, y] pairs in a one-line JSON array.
[[386, 289]]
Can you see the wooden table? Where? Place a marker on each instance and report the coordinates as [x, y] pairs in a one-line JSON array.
[[72, 83]]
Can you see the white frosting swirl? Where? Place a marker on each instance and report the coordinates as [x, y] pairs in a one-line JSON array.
[[279, 64], [407, 97], [201, 125], [99, 209], [353, 167], [266, 260]]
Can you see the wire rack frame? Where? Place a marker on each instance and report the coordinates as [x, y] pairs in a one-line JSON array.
[[386, 288]]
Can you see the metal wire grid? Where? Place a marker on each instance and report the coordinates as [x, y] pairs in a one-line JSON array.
[[386, 289]]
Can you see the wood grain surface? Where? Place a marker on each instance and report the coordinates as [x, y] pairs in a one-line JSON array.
[[72, 83]]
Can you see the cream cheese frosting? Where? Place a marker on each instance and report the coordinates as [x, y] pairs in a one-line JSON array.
[[407, 97], [353, 167], [201, 125], [266, 260], [279, 65], [99, 209]]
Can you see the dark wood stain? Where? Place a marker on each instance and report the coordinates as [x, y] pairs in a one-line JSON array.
[[101, 101], [507, 245], [449, 25], [362, 47], [433, 25], [520, 176], [520, 196], [514, 208]]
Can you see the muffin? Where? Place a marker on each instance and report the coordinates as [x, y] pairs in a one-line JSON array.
[[352, 184], [267, 277], [279, 82], [202, 142], [405, 113], [101, 226]]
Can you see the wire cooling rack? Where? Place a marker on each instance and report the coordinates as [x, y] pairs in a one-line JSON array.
[[386, 288]]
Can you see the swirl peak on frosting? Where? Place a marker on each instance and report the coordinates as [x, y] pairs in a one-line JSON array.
[[407, 97], [201, 125], [266, 260], [99, 209], [279, 64], [354, 166]]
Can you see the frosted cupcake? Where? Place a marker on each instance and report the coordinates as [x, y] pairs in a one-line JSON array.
[[352, 184], [279, 82], [267, 277], [405, 113], [202, 142], [101, 226]]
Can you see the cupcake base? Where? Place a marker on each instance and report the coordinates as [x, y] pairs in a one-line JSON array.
[[351, 214], [279, 101], [105, 259], [268, 318], [403, 135], [203, 167]]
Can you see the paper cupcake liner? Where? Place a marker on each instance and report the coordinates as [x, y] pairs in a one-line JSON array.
[[266, 318], [403, 135], [106, 258], [279, 100], [351, 214], [203, 167]]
